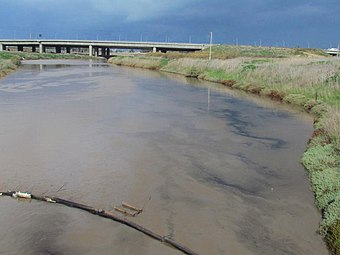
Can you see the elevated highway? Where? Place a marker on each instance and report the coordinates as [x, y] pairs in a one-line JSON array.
[[95, 48]]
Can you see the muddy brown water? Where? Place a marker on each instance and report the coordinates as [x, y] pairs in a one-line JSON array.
[[217, 171]]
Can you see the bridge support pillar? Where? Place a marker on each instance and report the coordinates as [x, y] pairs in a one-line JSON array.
[[41, 48], [20, 48], [154, 49], [96, 52], [68, 50], [1, 47], [90, 50], [58, 49]]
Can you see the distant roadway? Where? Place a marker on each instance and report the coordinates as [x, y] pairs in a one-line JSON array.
[[95, 48]]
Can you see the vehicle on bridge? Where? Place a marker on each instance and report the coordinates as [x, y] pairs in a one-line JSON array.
[[333, 51]]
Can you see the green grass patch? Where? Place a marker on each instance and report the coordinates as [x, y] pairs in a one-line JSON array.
[[164, 62], [296, 99], [331, 238], [318, 156], [322, 162], [218, 75]]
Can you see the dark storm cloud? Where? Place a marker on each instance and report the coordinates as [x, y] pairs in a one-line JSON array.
[[245, 21]]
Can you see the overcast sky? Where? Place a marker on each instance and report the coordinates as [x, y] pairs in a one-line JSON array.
[[292, 23]]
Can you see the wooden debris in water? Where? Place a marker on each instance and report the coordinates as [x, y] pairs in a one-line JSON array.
[[125, 212], [131, 207], [19, 194], [49, 200], [128, 209]]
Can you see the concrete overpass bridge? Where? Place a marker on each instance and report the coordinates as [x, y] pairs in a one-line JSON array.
[[94, 48]]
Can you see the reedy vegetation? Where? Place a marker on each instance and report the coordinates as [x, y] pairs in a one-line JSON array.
[[302, 77], [8, 64]]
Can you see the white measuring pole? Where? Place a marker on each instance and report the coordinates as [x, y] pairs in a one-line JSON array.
[[210, 45]]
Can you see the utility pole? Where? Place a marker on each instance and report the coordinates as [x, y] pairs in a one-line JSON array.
[[210, 45]]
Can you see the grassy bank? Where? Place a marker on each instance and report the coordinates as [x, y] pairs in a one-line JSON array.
[[8, 63], [305, 78], [229, 51]]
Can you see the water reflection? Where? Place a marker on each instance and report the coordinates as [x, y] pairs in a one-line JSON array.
[[208, 99]]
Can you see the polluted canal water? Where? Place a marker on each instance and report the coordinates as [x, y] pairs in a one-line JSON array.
[[213, 169]]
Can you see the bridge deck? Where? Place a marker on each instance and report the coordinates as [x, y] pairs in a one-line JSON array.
[[95, 46]]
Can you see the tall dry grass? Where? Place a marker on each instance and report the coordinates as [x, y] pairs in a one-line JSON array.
[[332, 124], [295, 72], [6, 66], [140, 62], [236, 51], [201, 65], [319, 78]]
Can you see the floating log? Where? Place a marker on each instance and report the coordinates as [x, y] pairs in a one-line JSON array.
[[104, 214]]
